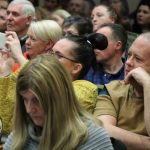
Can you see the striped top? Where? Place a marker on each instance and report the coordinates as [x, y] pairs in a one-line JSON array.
[[98, 139]]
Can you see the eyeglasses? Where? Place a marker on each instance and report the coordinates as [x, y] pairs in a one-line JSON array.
[[59, 56]]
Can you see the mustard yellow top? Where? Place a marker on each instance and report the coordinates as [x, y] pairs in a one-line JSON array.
[[7, 100], [86, 93]]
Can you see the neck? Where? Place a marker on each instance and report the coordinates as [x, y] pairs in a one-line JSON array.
[[113, 67]]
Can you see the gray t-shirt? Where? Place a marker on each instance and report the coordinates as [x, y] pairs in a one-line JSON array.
[[98, 139]]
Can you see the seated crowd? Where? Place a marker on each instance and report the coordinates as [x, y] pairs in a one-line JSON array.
[[73, 77]]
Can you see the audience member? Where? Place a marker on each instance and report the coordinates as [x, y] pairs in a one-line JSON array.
[[110, 65], [124, 109], [142, 20], [3, 4], [52, 5], [3, 20], [20, 14], [77, 55], [76, 7], [42, 35], [59, 15], [88, 7], [41, 13], [105, 14], [38, 115], [77, 25]]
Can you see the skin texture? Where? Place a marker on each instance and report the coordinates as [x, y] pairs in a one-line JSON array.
[[64, 47], [143, 15], [33, 107], [99, 16], [33, 42], [16, 21]]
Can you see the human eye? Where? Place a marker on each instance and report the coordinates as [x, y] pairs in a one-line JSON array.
[[138, 59], [35, 100], [58, 55]]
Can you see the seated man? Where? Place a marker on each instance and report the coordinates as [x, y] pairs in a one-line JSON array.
[[124, 106]]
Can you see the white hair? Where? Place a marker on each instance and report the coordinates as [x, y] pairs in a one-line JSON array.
[[27, 7], [47, 30]]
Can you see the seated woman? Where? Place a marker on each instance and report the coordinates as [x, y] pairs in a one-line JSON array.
[[47, 114], [77, 55], [41, 37]]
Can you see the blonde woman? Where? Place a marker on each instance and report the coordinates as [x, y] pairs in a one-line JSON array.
[[41, 37], [47, 114]]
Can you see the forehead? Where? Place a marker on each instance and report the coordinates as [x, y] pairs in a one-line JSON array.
[[144, 7], [15, 8], [105, 30], [141, 46], [100, 9], [63, 45]]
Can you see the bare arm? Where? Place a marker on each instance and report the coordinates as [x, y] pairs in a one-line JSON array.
[[131, 140]]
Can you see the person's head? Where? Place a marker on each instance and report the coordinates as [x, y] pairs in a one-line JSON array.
[[117, 38], [20, 13], [75, 7], [42, 35], [59, 15], [118, 5], [2, 20], [77, 52], [3, 4], [139, 54], [44, 97], [77, 25], [143, 14], [102, 14], [88, 7], [51, 5]]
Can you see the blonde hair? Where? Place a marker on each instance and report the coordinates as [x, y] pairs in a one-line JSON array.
[[62, 13], [47, 30], [65, 121]]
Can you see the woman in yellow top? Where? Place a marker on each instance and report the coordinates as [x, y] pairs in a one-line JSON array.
[[42, 35]]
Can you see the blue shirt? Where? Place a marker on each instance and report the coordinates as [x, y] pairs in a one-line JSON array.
[[99, 77]]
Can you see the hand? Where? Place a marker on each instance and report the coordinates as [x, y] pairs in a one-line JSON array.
[[13, 44], [6, 63], [138, 75]]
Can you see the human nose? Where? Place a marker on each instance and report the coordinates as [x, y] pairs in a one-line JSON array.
[[129, 61], [27, 41], [9, 16], [30, 107]]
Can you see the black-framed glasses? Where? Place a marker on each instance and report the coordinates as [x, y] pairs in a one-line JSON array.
[[58, 55]]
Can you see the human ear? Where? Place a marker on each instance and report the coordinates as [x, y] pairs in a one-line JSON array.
[[76, 69]]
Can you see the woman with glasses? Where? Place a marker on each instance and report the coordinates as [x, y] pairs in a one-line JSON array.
[[76, 53]]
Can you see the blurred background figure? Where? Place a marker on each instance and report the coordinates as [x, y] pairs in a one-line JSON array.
[[77, 25], [102, 14], [3, 15], [142, 17], [4, 4], [52, 5], [75, 7], [59, 15], [88, 7]]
